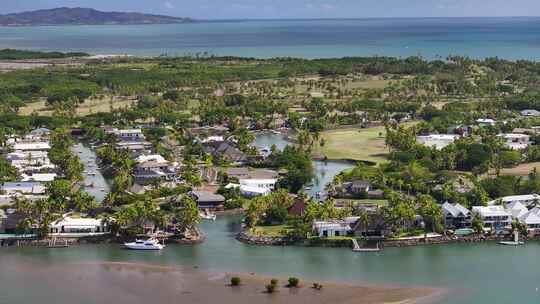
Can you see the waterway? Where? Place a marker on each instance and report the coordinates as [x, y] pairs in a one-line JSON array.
[[474, 273], [94, 181], [324, 171]]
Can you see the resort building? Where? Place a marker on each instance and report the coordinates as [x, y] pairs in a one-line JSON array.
[[437, 141], [494, 217], [38, 177], [78, 226], [456, 216], [515, 141], [255, 187]]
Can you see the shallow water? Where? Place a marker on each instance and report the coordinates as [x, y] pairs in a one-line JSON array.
[[511, 38], [480, 273]]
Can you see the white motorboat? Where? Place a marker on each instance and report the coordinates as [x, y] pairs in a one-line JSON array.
[[207, 215], [150, 244]]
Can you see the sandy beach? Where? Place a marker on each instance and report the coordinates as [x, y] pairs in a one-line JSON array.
[[119, 283]]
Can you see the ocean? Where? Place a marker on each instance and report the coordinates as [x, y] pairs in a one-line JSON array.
[[510, 38]]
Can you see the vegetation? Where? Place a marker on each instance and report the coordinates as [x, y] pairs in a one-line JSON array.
[[235, 281], [11, 54]]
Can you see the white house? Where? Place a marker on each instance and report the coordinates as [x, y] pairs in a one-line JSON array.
[[515, 141], [335, 227], [150, 157], [255, 187], [78, 226], [494, 217], [456, 216], [532, 220], [526, 199], [437, 141]]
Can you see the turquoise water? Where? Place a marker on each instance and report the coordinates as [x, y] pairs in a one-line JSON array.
[[512, 38], [480, 274]]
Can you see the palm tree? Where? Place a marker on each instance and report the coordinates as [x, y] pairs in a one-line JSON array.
[[364, 220]]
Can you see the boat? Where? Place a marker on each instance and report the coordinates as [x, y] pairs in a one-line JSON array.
[[89, 185], [150, 244], [515, 242], [207, 215]]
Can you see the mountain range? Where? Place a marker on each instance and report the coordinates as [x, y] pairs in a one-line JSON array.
[[84, 16]]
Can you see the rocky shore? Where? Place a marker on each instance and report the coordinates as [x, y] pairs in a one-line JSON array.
[[250, 239]]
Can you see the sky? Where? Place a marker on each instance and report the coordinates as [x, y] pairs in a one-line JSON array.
[[282, 9]]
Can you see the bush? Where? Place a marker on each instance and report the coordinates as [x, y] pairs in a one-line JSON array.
[[274, 282], [271, 288], [293, 282], [235, 281], [317, 286]]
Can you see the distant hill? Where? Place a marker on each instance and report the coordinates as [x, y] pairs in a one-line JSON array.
[[84, 16]]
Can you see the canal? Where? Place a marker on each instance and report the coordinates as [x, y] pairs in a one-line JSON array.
[[324, 171], [94, 182]]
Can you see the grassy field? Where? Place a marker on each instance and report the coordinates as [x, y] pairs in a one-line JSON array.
[[355, 144], [521, 170], [90, 106]]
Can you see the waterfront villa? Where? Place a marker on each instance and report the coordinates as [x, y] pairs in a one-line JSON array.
[[78, 226], [515, 141], [456, 216], [334, 228], [532, 220], [255, 187], [208, 200], [494, 217], [437, 141]]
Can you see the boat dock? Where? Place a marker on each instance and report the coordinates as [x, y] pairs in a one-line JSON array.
[[357, 248]]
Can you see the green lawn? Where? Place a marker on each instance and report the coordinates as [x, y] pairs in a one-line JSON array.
[[270, 231], [355, 144]]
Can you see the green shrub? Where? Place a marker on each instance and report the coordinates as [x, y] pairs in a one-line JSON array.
[[270, 288], [293, 282], [274, 282], [317, 286], [235, 281]]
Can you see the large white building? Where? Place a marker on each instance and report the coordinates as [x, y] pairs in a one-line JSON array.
[[437, 141]]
